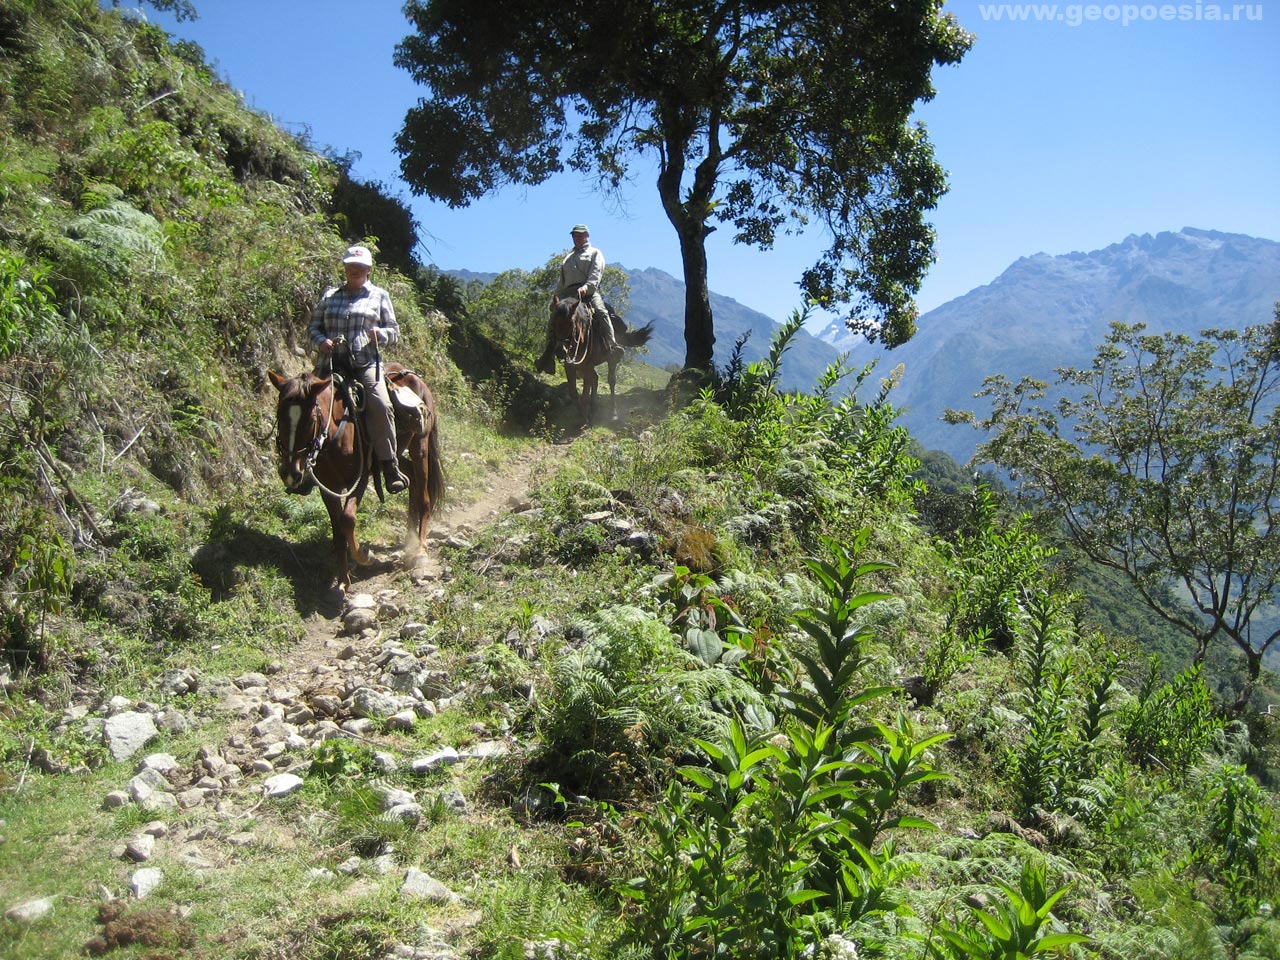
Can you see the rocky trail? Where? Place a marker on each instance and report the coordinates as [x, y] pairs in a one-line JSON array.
[[361, 674]]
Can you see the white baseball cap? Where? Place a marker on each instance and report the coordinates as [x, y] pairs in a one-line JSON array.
[[360, 255]]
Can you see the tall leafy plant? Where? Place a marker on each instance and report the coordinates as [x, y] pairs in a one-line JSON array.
[[781, 837]]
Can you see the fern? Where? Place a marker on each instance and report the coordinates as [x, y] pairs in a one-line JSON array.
[[118, 237]]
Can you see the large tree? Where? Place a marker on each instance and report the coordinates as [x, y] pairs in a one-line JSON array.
[[760, 115], [1160, 457]]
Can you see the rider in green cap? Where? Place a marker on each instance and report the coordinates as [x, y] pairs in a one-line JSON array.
[[581, 272]]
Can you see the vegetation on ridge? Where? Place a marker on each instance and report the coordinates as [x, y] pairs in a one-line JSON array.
[[754, 708]]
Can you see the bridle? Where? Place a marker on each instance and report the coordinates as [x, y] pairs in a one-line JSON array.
[[580, 342], [313, 447]]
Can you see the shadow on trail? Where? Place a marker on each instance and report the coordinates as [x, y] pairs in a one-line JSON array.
[[308, 566]]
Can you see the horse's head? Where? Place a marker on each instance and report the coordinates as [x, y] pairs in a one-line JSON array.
[[570, 327], [301, 425]]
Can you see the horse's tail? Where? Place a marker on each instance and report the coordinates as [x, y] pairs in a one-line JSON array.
[[635, 338], [435, 467]]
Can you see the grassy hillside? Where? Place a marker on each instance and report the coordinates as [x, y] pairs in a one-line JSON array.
[[697, 683]]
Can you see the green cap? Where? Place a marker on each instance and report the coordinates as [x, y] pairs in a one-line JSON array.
[[579, 228]]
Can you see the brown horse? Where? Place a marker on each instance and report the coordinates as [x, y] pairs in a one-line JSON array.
[[320, 445], [582, 350]]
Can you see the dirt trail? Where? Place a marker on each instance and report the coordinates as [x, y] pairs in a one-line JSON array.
[[505, 488]]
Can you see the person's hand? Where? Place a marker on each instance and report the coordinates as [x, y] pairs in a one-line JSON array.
[[380, 334], [582, 292], [326, 346]]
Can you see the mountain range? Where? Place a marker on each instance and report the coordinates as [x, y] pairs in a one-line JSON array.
[[1046, 312], [1041, 313]]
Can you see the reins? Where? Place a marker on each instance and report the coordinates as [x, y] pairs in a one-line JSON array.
[[318, 445], [582, 344]]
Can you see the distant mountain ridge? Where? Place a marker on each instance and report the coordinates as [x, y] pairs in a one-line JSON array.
[[1047, 311], [658, 298], [1043, 312]]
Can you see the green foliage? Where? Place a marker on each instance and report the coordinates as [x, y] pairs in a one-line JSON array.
[[27, 308], [1169, 725], [825, 462], [993, 565], [801, 122], [1160, 462], [779, 840], [625, 702], [1014, 929], [1240, 848]]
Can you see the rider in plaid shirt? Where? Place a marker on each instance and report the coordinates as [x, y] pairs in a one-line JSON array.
[[356, 319]]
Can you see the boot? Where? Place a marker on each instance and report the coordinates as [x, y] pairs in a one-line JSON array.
[[393, 480], [604, 323]]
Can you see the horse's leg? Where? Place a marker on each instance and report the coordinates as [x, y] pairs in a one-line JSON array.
[[357, 550], [572, 374], [586, 404], [338, 522], [613, 397]]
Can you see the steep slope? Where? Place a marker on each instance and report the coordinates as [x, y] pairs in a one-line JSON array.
[[1046, 311]]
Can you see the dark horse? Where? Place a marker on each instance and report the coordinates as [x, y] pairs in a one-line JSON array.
[[321, 445], [582, 350]]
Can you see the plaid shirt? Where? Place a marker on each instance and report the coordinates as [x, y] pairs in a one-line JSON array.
[[341, 313]]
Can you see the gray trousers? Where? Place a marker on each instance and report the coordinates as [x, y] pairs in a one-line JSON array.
[[379, 416]]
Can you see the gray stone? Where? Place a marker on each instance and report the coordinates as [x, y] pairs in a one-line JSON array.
[[404, 813], [367, 702], [326, 704], [128, 732], [487, 750], [355, 621], [139, 849], [147, 784], [164, 763], [159, 803], [404, 720], [421, 886], [114, 800], [281, 785], [29, 911], [433, 761], [390, 797], [454, 800], [173, 721], [175, 683], [145, 881]]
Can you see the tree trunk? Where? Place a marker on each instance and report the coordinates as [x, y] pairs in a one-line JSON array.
[[1254, 661], [688, 214], [699, 332]]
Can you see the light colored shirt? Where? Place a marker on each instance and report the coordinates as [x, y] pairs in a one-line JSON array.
[[356, 316], [579, 268]]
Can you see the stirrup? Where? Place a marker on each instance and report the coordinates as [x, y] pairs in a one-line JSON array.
[[393, 481]]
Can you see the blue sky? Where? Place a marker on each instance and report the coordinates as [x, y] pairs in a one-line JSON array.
[[1065, 128]]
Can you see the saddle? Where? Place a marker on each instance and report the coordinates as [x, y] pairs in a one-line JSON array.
[[409, 409]]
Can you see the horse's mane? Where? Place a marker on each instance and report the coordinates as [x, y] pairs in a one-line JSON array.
[[299, 387]]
